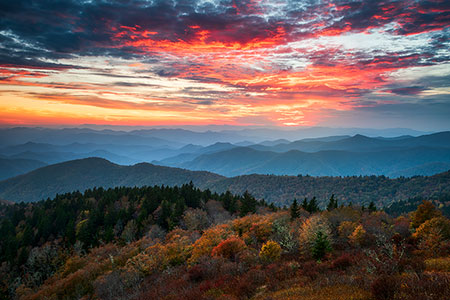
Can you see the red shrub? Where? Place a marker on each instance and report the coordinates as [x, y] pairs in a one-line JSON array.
[[248, 284], [342, 262], [196, 273], [229, 248], [310, 269], [385, 287]]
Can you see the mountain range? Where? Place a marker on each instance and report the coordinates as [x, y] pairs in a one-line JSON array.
[[97, 172], [25, 149]]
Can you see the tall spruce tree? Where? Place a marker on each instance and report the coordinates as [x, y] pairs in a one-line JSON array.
[[332, 204], [295, 210]]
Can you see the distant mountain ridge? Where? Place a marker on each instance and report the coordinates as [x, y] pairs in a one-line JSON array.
[[339, 155], [12, 167], [87, 173], [332, 156], [96, 172]]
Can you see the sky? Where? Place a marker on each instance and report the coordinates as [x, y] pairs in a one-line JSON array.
[[286, 63]]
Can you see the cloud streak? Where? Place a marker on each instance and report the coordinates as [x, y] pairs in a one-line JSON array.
[[269, 61]]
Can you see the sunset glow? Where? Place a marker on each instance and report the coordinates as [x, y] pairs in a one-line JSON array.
[[265, 62]]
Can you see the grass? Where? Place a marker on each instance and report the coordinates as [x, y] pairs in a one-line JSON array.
[[441, 264], [336, 292]]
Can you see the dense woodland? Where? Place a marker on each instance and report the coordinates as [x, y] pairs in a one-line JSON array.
[[184, 243], [88, 173], [381, 190]]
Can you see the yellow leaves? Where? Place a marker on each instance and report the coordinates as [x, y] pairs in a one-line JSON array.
[[80, 225], [177, 250], [441, 264], [424, 212], [309, 230], [357, 236], [270, 251], [335, 292], [433, 234], [436, 226], [151, 260], [209, 239], [346, 228]]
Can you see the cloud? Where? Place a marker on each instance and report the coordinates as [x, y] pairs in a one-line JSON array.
[[222, 54]]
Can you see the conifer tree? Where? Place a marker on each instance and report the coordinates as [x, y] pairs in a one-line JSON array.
[[294, 209], [321, 246], [372, 206], [248, 204], [332, 204], [305, 204], [312, 206]]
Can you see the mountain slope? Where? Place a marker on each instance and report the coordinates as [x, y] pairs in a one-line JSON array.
[[361, 143], [95, 172], [356, 189], [243, 160], [13, 167], [91, 172], [57, 157]]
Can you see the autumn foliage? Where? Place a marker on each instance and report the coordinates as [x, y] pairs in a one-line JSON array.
[[341, 253]]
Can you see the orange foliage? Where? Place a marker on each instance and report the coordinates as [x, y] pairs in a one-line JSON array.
[[229, 248], [209, 239]]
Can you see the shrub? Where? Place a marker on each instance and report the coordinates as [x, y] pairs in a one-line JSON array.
[[441, 264], [358, 235], [385, 287], [342, 262], [310, 269], [229, 248], [270, 251], [284, 235], [209, 239], [426, 286]]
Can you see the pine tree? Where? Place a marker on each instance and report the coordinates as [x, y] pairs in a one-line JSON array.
[[248, 204], [305, 204], [321, 246], [294, 210], [166, 212], [333, 204], [312, 206], [372, 206]]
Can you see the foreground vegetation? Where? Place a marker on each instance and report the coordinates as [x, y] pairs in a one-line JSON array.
[[183, 243]]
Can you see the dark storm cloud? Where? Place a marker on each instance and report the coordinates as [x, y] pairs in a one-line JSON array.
[[75, 26], [410, 90]]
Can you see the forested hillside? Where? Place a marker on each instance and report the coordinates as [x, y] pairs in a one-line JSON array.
[[10, 167], [184, 243], [94, 172], [76, 222], [356, 189], [280, 190]]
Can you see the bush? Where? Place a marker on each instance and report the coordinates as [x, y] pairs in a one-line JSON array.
[[427, 286], [229, 248], [342, 262], [310, 269], [441, 264], [358, 236], [385, 287], [270, 251]]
